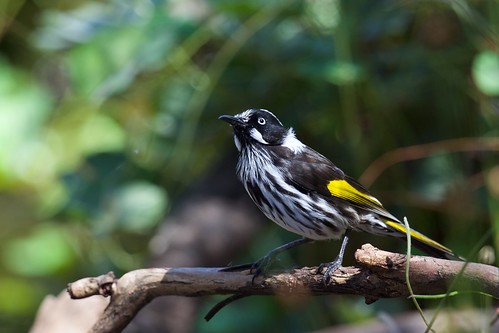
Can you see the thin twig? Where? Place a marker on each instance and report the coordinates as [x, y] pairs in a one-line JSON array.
[[416, 152], [407, 275]]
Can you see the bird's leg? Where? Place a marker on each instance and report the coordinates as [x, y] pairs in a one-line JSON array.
[[332, 266], [262, 266]]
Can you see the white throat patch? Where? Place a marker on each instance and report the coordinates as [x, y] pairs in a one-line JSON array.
[[290, 141]]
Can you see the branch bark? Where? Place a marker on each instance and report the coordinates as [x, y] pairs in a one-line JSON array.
[[380, 274]]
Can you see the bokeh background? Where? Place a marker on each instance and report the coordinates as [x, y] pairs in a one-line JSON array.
[[110, 143]]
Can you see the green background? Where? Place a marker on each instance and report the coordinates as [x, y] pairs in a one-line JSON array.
[[108, 118]]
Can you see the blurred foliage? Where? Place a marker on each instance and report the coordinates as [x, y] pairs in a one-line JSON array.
[[108, 113]]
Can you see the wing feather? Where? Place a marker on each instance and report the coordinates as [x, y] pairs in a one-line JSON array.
[[312, 172]]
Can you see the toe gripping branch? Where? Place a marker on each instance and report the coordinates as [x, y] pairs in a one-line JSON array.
[[262, 266], [332, 266]]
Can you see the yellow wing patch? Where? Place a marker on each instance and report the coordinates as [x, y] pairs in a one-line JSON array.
[[342, 189], [417, 235]]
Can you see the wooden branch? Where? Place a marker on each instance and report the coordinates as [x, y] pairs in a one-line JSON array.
[[380, 275]]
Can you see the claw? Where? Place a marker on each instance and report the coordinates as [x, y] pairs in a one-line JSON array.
[[258, 268], [320, 269], [261, 267], [330, 269]]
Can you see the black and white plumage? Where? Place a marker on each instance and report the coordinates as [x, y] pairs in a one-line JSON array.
[[305, 193]]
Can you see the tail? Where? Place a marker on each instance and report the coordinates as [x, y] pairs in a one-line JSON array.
[[424, 243]]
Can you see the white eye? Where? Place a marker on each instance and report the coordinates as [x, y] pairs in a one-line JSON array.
[[262, 121]]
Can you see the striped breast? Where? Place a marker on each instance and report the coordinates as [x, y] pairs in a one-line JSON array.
[[303, 212]]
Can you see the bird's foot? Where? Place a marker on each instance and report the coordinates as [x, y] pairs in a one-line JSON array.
[[261, 267], [258, 268], [327, 270]]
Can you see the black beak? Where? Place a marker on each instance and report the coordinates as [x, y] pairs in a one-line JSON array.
[[234, 121]]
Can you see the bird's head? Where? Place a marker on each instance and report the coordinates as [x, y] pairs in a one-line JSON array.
[[260, 127]]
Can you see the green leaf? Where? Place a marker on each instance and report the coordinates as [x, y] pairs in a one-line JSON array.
[[138, 206], [344, 73], [24, 106], [324, 13], [101, 133], [486, 73], [18, 295], [45, 251]]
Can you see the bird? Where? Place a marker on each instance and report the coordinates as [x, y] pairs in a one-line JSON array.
[[305, 193]]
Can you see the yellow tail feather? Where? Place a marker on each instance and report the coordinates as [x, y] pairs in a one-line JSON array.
[[419, 236]]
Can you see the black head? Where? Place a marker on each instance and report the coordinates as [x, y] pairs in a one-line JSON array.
[[257, 126]]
